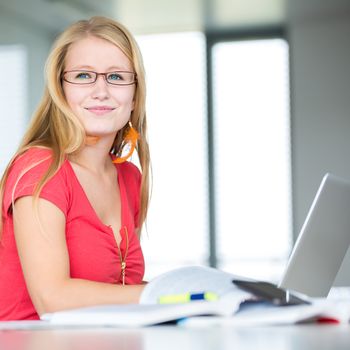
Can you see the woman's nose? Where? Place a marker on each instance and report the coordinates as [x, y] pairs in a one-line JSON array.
[[100, 88]]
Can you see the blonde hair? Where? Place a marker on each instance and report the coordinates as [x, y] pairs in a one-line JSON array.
[[54, 125]]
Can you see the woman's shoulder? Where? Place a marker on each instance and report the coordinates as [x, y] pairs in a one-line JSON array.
[[130, 174], [129, 167], [34, 161], [25, 174], [33, 156], [129, 171]]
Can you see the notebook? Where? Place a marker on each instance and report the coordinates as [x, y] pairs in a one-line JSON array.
[[323, 240]]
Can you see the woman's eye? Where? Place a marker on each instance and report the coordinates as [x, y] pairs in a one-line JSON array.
[[83, 75], [115, 76]]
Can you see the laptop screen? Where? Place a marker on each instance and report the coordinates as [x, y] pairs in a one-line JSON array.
[[323, 240]]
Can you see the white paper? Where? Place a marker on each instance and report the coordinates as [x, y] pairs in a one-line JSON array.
[[192, 279]]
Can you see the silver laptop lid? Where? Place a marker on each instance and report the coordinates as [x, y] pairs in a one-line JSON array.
[[323, 240]]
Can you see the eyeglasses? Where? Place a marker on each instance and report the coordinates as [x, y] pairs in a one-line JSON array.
[[85, 77]]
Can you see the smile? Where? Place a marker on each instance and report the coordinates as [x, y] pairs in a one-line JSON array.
[[99, 110]]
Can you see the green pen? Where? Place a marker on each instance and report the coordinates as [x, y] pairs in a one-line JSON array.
[[187, 297]]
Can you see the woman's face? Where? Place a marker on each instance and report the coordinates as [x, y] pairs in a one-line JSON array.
[[102, 108]]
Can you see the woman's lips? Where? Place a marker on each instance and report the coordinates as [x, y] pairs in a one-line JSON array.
[[99, 110]]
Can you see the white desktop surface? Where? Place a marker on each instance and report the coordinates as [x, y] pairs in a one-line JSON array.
[[296, 337]]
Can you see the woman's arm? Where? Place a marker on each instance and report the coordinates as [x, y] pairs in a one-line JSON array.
[[44, 258]]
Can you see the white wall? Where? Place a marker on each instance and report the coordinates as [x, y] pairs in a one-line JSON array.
[[20, 100], [16, 30], [319, 33]]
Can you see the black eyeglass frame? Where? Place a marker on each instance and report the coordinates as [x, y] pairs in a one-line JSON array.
[[96, 76]]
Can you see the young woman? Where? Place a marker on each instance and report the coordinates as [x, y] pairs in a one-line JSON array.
[[72, 206]]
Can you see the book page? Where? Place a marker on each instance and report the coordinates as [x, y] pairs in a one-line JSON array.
[[136, 314], [191, 279]]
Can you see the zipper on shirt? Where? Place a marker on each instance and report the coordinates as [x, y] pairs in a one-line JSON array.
[[123, 258]]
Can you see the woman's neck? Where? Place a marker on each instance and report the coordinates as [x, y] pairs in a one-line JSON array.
[[95, 157]]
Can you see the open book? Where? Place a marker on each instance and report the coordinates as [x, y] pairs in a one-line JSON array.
[[192, 280]]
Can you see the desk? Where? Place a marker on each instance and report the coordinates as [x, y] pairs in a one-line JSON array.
[[302, 337]]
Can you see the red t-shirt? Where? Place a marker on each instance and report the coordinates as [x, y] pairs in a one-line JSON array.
[[93, 251]]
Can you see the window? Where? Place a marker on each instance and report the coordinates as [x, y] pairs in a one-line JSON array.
[[13, 100], [176, 226], [251, 152], [252, 156]]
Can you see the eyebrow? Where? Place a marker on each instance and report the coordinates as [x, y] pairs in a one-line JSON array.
[[110, 69]]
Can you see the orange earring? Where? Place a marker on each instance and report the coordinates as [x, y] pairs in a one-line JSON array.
[[128, 146]]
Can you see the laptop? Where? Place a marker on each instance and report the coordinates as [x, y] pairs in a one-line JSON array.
[[323, 240]]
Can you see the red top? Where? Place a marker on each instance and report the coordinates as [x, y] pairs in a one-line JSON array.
[[93, 251]]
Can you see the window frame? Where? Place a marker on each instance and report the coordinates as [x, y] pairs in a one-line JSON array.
[[214, 37]]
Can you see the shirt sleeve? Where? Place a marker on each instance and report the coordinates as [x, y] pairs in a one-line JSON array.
[[24, 176]]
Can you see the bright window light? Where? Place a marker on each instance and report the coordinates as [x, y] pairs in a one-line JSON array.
[[177, 227], [252, 156], [13, 99]]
